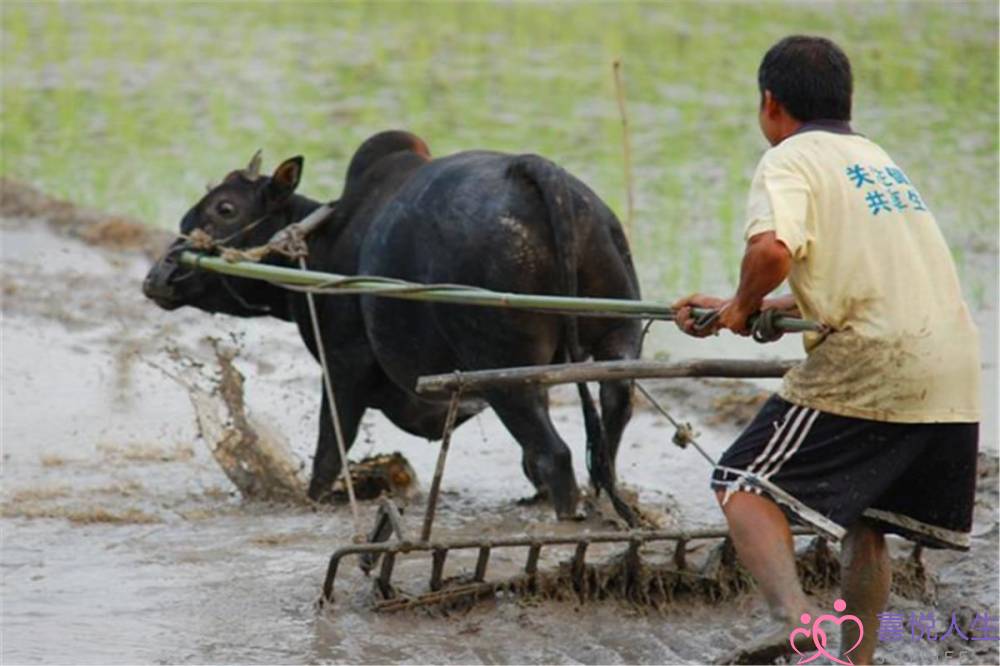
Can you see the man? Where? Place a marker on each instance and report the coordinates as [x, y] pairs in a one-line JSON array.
[[878, 428]]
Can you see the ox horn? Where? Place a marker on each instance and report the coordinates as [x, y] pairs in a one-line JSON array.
[[253, 169]]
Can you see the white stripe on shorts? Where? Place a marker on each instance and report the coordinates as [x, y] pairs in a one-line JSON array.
[[763, 456], [779, 459]]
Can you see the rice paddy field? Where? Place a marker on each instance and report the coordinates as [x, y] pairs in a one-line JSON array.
[[133, 107], [123, 541]]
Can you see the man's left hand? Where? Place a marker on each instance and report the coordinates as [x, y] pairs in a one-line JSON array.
[[686, 322]]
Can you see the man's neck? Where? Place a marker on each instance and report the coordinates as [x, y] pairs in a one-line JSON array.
[[822, 125]]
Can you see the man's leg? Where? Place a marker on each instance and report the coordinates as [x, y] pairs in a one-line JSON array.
[[866, 575], [763, 541]]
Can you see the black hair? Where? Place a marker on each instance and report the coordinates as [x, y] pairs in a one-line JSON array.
[[809, 76]]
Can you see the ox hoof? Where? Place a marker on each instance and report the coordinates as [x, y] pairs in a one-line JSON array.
[[320, 493], [538, 498]]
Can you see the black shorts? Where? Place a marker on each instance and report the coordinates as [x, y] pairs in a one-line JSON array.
[[913, 479]]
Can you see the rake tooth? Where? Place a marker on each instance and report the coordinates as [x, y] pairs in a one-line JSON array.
[[385, 575], [680, 555], [481, 563], [331, 575], [632, 564], [632, 555], [438, 556], [531, 566], [579, 560], [382, 531]]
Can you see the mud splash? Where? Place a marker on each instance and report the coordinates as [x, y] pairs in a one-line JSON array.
[[259, 463]]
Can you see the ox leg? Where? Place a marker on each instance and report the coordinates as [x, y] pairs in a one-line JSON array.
[[327, 463], [529, 465], [547, 460], [616, 396]]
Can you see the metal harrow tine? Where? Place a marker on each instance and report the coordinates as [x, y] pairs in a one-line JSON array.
[[384, 580], [438, 556], [387, 522], [481, 563]]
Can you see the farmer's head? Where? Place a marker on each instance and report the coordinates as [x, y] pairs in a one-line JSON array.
[[803, 79], [244, 211]]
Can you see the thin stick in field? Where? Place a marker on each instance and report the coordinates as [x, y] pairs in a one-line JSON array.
[[616, 67]]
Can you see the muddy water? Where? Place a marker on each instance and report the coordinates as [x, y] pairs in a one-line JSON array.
[[123, 542]]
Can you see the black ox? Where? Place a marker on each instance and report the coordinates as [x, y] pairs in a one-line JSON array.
[[515, 223]]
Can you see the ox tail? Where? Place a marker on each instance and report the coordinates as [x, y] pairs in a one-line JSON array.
[[554, 185]]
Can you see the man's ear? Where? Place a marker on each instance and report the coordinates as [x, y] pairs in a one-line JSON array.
[[285, 178], [772, 107]]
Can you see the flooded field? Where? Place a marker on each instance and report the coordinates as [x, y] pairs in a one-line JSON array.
[[123, 541]]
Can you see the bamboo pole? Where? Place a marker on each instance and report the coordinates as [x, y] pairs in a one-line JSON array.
[[330, 283], [572, 373]]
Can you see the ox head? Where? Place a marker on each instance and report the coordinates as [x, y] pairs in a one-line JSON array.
[[245, 211]]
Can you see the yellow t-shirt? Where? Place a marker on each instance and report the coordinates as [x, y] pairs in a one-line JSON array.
[[869, 262]]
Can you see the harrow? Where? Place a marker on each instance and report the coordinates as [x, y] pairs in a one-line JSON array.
[[382, 553], [388, 542]]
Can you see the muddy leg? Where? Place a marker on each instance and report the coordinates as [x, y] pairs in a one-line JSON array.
[[764, 544], [616, 396], [529, 465], [546, 457], [327, 463], [763, 541], [616, 412], [866, 581]]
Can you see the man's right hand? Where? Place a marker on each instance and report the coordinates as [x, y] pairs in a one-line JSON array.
[[685, 321]]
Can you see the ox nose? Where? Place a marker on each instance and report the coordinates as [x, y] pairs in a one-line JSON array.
[[158, 283]]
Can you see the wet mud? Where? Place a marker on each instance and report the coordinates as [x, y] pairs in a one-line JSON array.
[[124, 539]]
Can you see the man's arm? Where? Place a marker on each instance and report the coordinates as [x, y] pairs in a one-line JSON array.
[[766, 263]]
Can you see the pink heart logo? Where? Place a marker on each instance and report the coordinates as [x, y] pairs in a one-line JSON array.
[[819, 636]]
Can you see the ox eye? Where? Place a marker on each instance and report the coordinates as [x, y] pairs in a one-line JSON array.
[[225, 209]]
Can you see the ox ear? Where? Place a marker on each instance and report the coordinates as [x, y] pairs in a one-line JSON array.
[[285, 178]]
